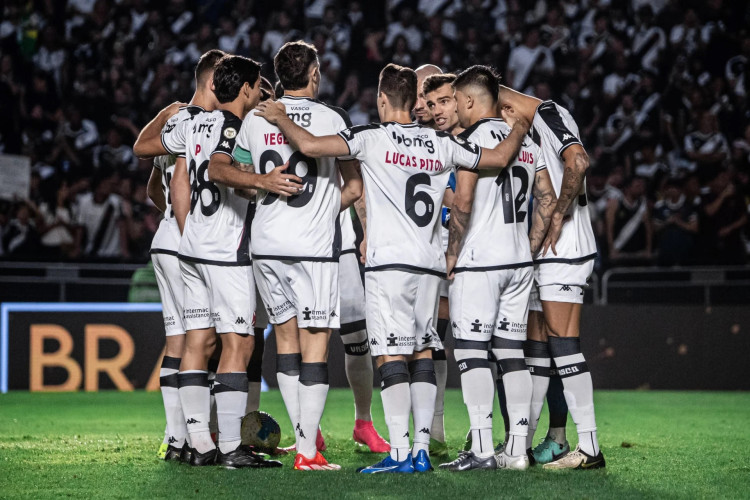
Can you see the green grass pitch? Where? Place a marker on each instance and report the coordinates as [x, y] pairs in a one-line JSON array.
[[103, 445]]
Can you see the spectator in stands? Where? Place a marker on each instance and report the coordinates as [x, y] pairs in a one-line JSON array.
[[675, 225], [628, 221], [55, 221], [707, 147], [724, 215], [20, 237], [529, 61], [102, 225], [115, 155], [75, 141]]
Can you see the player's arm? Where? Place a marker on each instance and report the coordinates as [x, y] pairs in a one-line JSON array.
[[154, 190], [221, 170], [148, 144], [351, 191], [544, 205], [179, 190], [360, 206], [463, 199], [309, 145], [576, 163], [503, 154]]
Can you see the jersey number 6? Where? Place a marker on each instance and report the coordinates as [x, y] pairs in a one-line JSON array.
[[412, 197], [309, 180]]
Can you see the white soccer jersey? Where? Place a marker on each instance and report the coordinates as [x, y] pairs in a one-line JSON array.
[[215, 226], [303, 226], [348, 236], [555, 130], [498, 233], [405, 170]]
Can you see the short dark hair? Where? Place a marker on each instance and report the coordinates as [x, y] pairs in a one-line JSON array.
[[230, 75], [434, 82], [206, 65], [292, 64], [400, 85], [480, 76]]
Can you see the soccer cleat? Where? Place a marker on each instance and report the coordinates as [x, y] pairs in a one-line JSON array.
[[577, 459], [500, 447], [320, 443], [185, 453], [467, 460], [201, 459], [162, 450], [530, 454], [244, 457], [422, 462], [365, 434], [438, 449], [389, 465], [172, 453], [319, 462], [549, 450], [505, 461]]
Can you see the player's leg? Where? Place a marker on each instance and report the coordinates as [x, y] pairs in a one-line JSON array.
[[473, 302], [200, 341], [171, 290], [255, 372], [507, 347], [438, 448]]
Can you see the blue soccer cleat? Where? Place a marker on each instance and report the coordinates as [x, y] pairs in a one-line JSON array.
[[422, 462], [390, 465]]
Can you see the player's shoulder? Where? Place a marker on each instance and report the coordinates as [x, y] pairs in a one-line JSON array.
[[229, 119], [351, 132], [551, 114], [494, 127], [334, 111]]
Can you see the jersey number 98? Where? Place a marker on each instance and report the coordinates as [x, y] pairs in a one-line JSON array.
[[199, 184], [309, 180]]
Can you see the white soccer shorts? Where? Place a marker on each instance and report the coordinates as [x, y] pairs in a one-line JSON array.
[[218, 296], [307, 290], [352, 294], [490, 303], [171, 291], [444, 290], [402, 310], [562, 281], [534, 303]]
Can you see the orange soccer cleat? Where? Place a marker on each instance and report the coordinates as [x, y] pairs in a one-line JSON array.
[[301, 462]]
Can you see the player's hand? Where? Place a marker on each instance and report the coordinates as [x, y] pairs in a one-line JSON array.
[[172, 109], [512, 118], [276, 181], [450, 264], [272, 111], [553, 234], [363, 250]]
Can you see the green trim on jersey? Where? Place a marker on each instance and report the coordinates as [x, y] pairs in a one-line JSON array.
[[242, 155]]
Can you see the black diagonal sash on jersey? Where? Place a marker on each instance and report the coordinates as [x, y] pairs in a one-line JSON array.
[[646, 46], [537, 60], [101, 230]]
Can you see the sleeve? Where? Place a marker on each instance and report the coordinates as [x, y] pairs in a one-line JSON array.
[[460, 151], [356, 139], [540, 163], [173, 136], [342, 124], [241, 151], [228, 136], [561, 136]]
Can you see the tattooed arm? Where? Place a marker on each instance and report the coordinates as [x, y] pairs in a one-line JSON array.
[[576, 163], [245, 167], [544, 205], [463, 199], [361, 208]]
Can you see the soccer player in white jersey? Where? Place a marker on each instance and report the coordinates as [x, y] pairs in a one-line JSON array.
[[405, 168], [562, 268], [489, 260], [166, 242], [297, 243], [219, 292]]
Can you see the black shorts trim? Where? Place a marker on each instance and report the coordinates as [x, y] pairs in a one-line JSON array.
[[162, 251], [406, 267], [295, 259], [577, 260], [351, 250], [520, 265], [354, 326], [196, 260]]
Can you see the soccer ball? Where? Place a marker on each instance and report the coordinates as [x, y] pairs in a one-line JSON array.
[[261, 431]]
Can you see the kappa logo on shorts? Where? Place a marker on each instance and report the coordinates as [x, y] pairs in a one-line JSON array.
[[374, 342], [240, 321], [192, 421], [333, 314], [565, 288], [424, 430], [523, 421]]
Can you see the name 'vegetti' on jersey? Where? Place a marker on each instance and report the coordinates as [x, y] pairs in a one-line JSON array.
[[554, 130], [216, 228], [405, 170], [497, 236], [303, 226]]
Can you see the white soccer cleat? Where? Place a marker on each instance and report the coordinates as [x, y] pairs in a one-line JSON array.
[[505, 461]]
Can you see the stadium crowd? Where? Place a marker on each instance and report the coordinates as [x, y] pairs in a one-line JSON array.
[[659, 89]]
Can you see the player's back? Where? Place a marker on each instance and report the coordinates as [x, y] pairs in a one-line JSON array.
[[304, 226], [497, 236], [406, 168], [215, 226], [554, 130]]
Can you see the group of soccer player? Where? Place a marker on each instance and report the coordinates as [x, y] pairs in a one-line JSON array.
[[257, 184]]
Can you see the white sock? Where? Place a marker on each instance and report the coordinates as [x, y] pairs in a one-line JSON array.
[[396, 397], [196, 405], [423, 390], [313, 390], [437, 430], [578, 389], [287, 375], [358, 364], [478, 391], [230, 390], [518, 389], [538, 362], [253, 397], [176, 429]]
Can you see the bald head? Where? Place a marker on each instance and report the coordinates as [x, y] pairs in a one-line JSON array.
[[421, 112]]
